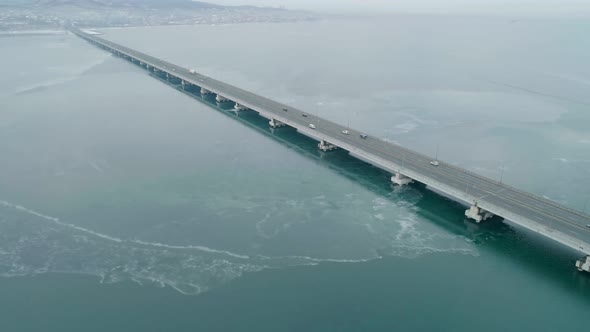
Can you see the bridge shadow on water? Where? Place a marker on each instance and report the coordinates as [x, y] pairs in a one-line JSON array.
[[540, 256]]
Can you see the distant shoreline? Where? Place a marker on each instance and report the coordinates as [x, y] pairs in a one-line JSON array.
[[40, 32]]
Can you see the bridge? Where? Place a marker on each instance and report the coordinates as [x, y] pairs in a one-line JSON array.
[[484, 197]]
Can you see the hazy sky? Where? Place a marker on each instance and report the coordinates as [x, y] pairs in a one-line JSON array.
[[495, 7]]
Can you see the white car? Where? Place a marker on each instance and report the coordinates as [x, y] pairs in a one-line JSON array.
[[312, 126], [434, 163], [192, 71], [345, 132]]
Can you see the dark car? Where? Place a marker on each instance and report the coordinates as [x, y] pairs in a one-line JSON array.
[[304, 115], [284, 109], [363, 136]]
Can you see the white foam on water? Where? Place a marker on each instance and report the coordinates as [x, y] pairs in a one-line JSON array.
[[317, 259], [260, 227], [43, 85], [95, 166], [57, 221], [116, 239], [96, 63], [380, 203], [191, 247], [414, 251], [407, 230], [30, 248], [60, 81], [402, 234], [379, 216]]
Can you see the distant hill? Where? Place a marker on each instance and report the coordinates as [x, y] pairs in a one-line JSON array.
[[188, 4], [43, 14]]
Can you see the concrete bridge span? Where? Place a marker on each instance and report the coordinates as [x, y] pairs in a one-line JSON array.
[[484, 197]]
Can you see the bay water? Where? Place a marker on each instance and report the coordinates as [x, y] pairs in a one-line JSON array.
[[128, 205]]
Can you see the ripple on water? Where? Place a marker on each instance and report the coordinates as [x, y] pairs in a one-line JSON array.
[[34, 243]]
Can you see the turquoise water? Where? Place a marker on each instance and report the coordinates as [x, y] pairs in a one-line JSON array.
[[127, 205]]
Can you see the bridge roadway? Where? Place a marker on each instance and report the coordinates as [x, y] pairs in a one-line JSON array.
[[562, 224]]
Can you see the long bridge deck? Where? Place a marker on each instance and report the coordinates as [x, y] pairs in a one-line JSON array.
[[486, 197]]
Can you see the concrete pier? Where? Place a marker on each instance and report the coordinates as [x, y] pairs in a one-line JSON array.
[[401, 179], [275, 123], [583, 264], [221, 99], [478, 214], [239, 107], [326, 146]]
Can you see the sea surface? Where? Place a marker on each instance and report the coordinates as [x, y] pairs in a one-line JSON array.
[[127, 205]]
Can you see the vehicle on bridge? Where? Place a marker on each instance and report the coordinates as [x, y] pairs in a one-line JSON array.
[[312, 126], [192, 71], [345, 132], [434, 163], [363, 136]]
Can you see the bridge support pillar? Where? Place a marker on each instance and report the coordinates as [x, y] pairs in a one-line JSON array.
[[239, 107], [275, 123], [583, 264], [478, 214], [400, 179], [221, 99], [205, 91], [326, 146]]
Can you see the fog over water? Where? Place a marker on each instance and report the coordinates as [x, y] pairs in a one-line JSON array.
[[108, 172], [502, 8]]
